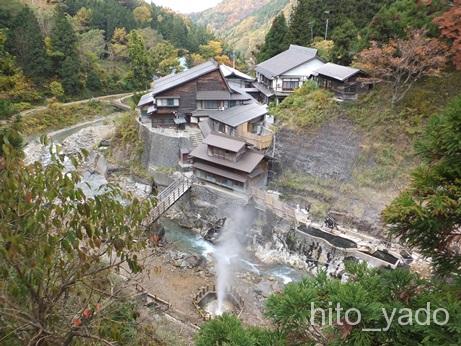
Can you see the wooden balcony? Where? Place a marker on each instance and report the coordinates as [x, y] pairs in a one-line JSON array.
[[260, 142]]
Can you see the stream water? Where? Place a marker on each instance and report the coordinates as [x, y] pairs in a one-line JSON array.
[[187, 241]]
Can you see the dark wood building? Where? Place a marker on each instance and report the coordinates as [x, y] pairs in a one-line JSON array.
[[227, 162], [346, 82], [174, 98]]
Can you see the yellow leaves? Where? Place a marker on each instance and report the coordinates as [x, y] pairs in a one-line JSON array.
[[120, 36], [142, 14]]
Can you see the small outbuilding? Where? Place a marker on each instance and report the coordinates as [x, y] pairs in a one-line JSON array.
[[346, 82]]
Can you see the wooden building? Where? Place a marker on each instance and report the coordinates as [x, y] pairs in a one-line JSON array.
[[279, 76], [346, 82], [174, 98], [226, 161]]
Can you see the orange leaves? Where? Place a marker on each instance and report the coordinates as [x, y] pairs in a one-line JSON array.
[[449, 24], [403, 61]]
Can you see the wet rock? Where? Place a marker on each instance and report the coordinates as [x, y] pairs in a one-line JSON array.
[[264, 288], [105, 143]]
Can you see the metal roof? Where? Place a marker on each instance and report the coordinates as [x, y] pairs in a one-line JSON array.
[[238, 115], [266, 91], [338, 72], [168, 82], [213, 95], [229, 72], [145, 100], [225, 143], [219, 171], [285, 61], [247, 163]]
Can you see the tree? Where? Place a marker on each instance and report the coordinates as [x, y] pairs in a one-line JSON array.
[[276, 40], [164, 59], [396, 18], [142, 14], [139, 61], [325, 311], [215, 50], [325, 48], [14, 86], [402, 62], [228, 330], [27, 44], [344, 37], [119, 44], [64, 51], [449, 24], [369, 292], [299, 32], [428, 214], [91, 44], [82, 19], [70, 75], [63, 38], [58, 252], [56, 89]]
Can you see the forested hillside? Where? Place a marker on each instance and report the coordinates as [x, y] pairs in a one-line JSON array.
[[243, 24], [73, 49]]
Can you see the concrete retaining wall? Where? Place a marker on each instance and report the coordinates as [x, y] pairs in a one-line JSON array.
[[161, 150]]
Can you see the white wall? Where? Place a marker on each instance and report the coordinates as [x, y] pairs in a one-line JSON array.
[[305, 69]]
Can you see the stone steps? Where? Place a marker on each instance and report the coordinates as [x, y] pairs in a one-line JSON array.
[[196, 139]]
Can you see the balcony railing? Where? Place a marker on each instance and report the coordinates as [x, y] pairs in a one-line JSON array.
[[260, 142]]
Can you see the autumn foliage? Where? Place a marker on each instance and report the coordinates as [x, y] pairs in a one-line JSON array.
[[449, 24], [402, 62]]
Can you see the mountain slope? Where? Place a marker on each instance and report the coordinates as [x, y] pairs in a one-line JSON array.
[[243, 24]]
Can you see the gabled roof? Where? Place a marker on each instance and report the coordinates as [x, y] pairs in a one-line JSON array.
[[173, 80], [145, 100], [286, 61], [224, 142], [213, 95], [247, 163], [338, 72], [229, 72], [239, 115]]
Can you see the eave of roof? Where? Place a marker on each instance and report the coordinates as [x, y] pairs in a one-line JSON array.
[[171, 81], [285, 61], [225, 143], [338, 72], [239, 115], [247, 163]]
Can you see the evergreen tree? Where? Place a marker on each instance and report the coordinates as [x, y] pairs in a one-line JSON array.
[[26, 43], [63, 37], [139, 61], [299, 32], [344, 38], [428, 214], [70, 75], [64, 51], [276, 39]]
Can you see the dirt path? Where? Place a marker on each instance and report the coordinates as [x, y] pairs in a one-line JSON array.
[[115, 100]]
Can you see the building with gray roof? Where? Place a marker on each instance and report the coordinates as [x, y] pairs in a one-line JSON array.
[[279, 76]]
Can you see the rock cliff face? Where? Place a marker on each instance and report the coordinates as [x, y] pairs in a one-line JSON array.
[[321, 169], [243, 24]]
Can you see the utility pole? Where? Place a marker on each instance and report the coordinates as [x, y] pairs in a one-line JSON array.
[[326, 25], [233, 59], [312, 31]]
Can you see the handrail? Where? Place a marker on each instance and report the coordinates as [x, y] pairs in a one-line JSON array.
[[168, 197]]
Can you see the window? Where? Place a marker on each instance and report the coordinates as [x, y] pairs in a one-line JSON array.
[[222, 128], [233, 103], [211, 104], [168, 102], [290, 84]]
